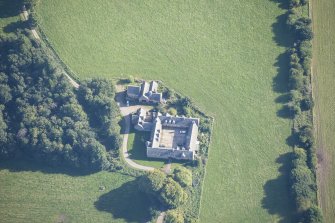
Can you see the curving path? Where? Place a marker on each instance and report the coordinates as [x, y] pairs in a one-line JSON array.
[[125, 149]]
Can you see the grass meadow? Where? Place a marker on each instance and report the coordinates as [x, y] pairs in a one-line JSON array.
[[228, 56], [324, 110], [32, 193]]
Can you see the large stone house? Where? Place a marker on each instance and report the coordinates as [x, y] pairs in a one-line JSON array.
[[146, 92], [172, 137]]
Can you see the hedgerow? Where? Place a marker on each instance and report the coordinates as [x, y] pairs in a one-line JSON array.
[[303, 173]]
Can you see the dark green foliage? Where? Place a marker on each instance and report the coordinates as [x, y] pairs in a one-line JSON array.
[[303, 184], [183, 176], [303, 29], [97, 98], [164, 189], [294, 3], [313, 215], [307, 103], [306, 137], [47, 123]]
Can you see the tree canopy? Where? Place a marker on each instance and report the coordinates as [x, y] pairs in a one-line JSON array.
[[41, 117]]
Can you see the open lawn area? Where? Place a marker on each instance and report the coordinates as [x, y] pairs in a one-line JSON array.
[[324, 111], [137, 150], [32, 193], [228, 56]]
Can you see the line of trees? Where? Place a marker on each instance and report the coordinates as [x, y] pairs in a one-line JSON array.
[[303, 173], [41, 117]]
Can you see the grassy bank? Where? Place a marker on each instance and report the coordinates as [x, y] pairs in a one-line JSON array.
[[232, 66], [324, 91]]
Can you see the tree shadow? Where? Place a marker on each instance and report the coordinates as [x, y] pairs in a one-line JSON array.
[[277, 200], [20, 164], [126, 202], [10, 8], [15, 26], [280, 81], [285, 112]]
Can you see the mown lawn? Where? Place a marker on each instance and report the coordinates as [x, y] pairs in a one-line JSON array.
[[137, 149], [324, 111], [226, 55], [33, 193]]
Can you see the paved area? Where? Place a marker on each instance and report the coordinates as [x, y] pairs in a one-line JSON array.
[[160, 218]]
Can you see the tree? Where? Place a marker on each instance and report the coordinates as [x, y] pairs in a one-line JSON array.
[[183, 176], [152, 182], [313, 215], [172, 194], [174, 216]]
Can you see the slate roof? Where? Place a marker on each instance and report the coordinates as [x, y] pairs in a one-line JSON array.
[[133, 91], [145, 92]]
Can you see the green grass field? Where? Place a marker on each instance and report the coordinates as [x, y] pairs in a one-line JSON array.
[[324, 111], [226, 55], [31, 193]]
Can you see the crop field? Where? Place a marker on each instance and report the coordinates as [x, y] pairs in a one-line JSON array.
[[31, 193], [324, 110], [228, 56]]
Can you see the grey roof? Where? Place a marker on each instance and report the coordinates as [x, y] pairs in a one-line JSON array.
[[133, 91], [164, 153], [153, 86], [156, 97], [145, 92]]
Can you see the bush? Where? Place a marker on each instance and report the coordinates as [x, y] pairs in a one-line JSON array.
[[305, 49], [307, 103], [305, 136], [304, 2], [294, 3], [174, 216], [172, 111], [299, 157], [183, 176]]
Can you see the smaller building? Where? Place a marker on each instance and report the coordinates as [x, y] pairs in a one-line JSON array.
[[145, 93]]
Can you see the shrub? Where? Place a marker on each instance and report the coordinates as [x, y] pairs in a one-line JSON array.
[[183, 176], [174, 216], [172, 111], [299, 157], [305, 49], [304, 2], [293, 16], [305, 136], [294, 3], [307, 103]]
